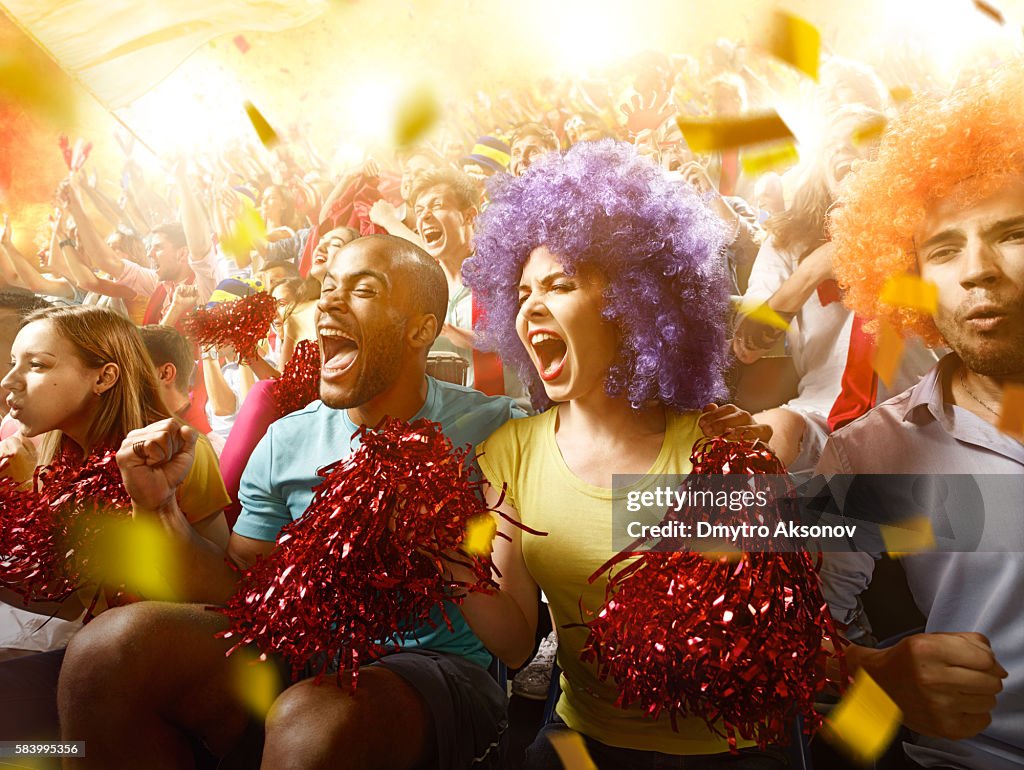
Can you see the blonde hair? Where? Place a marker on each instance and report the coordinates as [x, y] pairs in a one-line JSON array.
[[101, 336]]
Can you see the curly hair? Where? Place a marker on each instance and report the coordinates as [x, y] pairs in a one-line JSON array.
[[660, 248], [963, 147]]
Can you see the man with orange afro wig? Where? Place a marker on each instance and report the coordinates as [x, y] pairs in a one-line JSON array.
[[944, 203]]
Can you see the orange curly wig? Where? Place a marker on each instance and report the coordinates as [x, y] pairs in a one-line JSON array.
[[966, 145]]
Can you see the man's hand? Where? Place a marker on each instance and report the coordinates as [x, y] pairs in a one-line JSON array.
[[18, 458], [732, 422], [383, 213], [697, 176], [155, 460], [185, 296], [945, 683]]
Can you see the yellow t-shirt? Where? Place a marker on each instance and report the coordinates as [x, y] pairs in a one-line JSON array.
[[578, 519], [203, 493]]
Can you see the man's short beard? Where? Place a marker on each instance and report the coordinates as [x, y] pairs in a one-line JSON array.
[[987, 359], [386, 350]]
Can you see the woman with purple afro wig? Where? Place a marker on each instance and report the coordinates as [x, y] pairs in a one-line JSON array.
[[602, 281], [657, 246]]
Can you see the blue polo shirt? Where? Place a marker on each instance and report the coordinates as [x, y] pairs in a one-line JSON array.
[[277, 484]]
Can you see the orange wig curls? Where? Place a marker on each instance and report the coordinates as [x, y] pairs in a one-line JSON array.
[[964, 146]]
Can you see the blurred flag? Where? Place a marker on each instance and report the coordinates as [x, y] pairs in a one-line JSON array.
[[119, 49]]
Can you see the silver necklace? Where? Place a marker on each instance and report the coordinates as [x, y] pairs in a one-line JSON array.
[[963, 384]]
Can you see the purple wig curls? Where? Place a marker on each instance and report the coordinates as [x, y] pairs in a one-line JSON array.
[[658, 244]]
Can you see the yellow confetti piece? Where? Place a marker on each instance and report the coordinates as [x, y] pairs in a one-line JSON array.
[[255, 682], [247, 232], [727, 133], [1011, 412], [991, 11], [796, 42], [900, 93], [480, 534], [869, 132], [889, 347], [571, 750], [268, 136], [911, 536], [138, 554], [417, 114], [774, 157], [864, 722], [760, 312], [909, 291]]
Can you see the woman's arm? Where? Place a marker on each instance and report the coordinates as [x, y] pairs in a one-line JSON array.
[[506, 622]]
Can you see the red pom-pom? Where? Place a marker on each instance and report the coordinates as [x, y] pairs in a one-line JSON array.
[[299, 383], [365, 561], [734, 641], [241, 323], [48, 531]]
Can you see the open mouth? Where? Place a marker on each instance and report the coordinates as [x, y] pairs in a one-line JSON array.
[[432, 235], [340, 352], [551, 352]]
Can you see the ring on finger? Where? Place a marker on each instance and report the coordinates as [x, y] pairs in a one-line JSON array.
[[139, 447]]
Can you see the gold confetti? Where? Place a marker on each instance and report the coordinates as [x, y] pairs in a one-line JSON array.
[[571, 750], [760, 312], [727, 133], [888, 353], [247, 232], [268, 136], [909, 291], [796, 42], [1011, 412], [254, 681], [900, 93], [417, 114], [911, 536], [864, 722], [869, 132], [991, 11], [774, 157], [138, 554], [480, 534]]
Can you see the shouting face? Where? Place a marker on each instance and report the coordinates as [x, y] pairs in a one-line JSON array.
[[560, 325]]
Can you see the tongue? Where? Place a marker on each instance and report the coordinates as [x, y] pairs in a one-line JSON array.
[[557, 352], [343, 359]]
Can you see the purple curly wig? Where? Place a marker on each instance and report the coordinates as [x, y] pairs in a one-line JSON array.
[[659, 246]]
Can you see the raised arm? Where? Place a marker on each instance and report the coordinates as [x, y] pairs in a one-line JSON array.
[[154, 462], [95, 250]]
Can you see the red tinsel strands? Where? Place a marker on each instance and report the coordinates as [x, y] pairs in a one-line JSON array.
[[364, 563], [735, 642], [242, 323], [47, 532], [299, 383]]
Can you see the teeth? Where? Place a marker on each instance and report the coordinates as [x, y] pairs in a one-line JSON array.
[[544, 337], [334, 333]]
